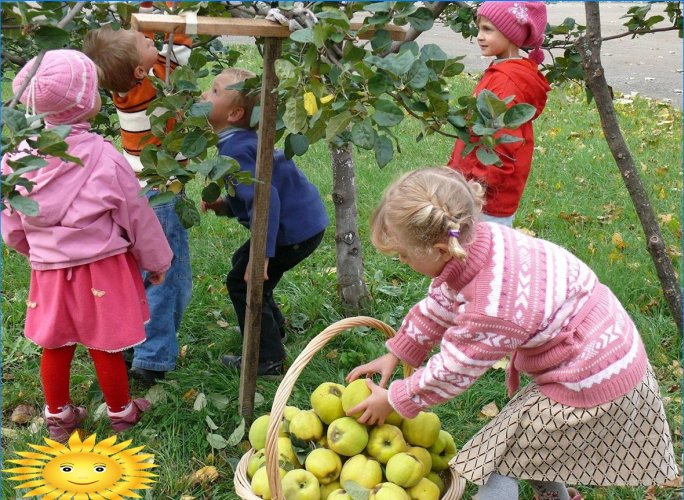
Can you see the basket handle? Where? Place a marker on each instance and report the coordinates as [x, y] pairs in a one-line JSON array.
[[287, 384]]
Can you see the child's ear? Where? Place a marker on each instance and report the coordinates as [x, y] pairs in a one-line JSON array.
[[236, 114], [139, 73], [442, 251]]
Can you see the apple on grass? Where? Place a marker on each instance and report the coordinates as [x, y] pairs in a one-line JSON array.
[[300, 484], [385, 441]]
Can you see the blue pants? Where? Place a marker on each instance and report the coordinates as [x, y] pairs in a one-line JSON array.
[[167, 301]]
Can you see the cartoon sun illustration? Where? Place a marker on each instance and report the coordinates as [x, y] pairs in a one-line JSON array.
[[83, 470]]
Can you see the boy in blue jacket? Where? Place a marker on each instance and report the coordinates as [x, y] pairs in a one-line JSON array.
[[296, 221]]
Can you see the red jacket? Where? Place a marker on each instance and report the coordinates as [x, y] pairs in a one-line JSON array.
[[505, 183]]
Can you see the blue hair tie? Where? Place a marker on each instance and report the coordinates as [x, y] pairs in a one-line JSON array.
[[454, 233]]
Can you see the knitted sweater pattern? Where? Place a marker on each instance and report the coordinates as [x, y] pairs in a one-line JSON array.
[[525, 297]]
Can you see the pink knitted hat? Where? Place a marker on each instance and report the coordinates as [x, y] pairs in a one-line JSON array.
[[64, 88], [523, 23]]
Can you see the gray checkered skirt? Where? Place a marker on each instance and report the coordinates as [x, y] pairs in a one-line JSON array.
[[624, 442]]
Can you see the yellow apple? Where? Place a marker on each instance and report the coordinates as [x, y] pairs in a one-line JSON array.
[[286, 452], [421, 430], [324, 464], [306, 426], [388, 491], [394, 419], [347, 437], [437, 479], [424, 456], [257, 432], [362, 470], [424, 490], [327, 489], [256, 461], [300, 484], [353, 394], [404, 469], [340, 494], [384, 441], [260, 483], [326, 401], [442, 451]]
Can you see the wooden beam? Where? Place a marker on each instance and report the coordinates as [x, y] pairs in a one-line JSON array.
[[259, 227], [217, 26]]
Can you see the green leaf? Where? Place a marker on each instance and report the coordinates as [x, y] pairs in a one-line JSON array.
[[285, 69], [295, 115], [302, 36], [363, 135], [296, 145], [197, 59], [419, 75], [384, 151], [432, 52], [222, 166], [356, 491], [507, 139], [518, 114], [337, 124], [217, 441], [23, 204], [50, 37], [489, 105], [381, 41], [195, 143], [421, 19], [167, 166], [211, 192], [378, 84], [200, 109], [187, 212], [387, 114], [14, 119], [26, 164], [487, 156]]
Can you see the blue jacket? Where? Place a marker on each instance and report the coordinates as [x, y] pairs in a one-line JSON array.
[[296, 211]]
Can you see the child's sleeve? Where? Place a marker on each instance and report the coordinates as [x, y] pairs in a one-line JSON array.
[[13, 233], [467, 350]]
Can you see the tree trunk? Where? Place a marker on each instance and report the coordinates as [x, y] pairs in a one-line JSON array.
[[351, 286], [589, 48]]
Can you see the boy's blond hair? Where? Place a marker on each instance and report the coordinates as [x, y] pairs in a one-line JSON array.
[[425, 207], [244, 98], [115, 52]]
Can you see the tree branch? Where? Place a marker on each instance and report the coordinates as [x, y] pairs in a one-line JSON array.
[[411, 34], [13, 58]]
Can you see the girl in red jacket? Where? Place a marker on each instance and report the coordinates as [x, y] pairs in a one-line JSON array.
[[505, 27]]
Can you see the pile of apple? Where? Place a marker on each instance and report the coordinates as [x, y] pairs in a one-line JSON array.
[[339, 457]]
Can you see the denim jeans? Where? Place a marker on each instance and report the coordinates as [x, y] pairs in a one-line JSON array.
[[167, 301], [285, 258]]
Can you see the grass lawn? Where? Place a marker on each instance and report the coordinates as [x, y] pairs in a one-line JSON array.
[[575, 198]]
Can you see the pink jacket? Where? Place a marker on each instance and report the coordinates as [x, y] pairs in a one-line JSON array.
[[86, 213], [525, 297]]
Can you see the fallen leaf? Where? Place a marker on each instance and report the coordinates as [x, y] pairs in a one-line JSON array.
[[22, 414], [502, 364], [222, 323], [673, 483], [490, 410], [183, 352], [190, 394], [207, 474], [200, 402], [618, 241], [526, 231]]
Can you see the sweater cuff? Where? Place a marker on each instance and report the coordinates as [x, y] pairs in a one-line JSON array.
[[404, 348], [400, 399]]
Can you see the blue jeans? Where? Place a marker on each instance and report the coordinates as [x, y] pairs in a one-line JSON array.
[[167, 301]]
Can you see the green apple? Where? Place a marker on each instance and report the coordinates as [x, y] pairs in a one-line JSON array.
[[421, 430], [286, 452], [362, 470], [288, 413], [424, 456], [353, 394], [394, 419], [340, 494], [324, 464], [437, 479], [347, 437], [424, 490], [326, 401], [404, 469], [300, 484], [260, 483], [306, 426], [384, 441], [327, 489], [388, 491], [257, 432], [256, 461], [442, 451]]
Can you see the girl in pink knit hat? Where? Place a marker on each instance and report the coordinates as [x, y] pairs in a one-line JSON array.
[[592, 414], [505, 28], [86, 246]]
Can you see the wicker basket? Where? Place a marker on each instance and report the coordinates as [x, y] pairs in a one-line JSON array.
[[455, 484]]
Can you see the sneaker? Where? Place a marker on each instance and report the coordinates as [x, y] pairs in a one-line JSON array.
[[148, 377], [266, 369], [60, 427], [130, 415]]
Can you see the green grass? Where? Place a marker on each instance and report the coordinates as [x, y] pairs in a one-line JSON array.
[[575, 197]]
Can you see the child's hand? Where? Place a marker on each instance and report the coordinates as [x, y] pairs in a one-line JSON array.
[[384, 365], [246, 277], [375, 408], [156, 278]]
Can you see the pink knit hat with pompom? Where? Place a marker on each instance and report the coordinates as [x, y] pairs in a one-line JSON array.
[[523, 23], [64, 88]]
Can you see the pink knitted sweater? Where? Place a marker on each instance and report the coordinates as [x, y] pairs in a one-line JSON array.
[[527, 297]]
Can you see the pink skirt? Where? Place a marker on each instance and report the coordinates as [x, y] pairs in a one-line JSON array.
[[101, 305]]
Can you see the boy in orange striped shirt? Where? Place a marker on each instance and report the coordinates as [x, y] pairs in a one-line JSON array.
[[125, 59]]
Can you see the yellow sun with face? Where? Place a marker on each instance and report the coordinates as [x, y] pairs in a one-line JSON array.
[[83, 470]]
